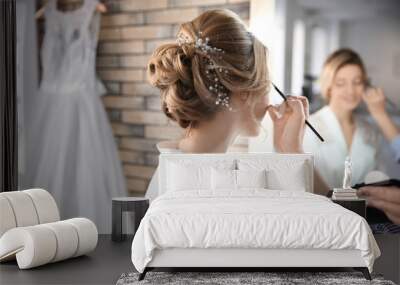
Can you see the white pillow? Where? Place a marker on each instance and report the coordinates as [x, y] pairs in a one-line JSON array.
[[186, 174], [226, 179], [187, 177], [223, 179], [296, 181], [251, 178], [284, 174]]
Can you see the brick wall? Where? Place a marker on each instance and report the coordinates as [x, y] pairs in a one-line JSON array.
[[130, 31]]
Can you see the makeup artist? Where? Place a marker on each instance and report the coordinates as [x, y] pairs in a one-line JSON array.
[[385, 198], [344, 87]]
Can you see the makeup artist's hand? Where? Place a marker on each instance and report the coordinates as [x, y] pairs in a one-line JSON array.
[[385, 198], [289, 123], [375, 101]]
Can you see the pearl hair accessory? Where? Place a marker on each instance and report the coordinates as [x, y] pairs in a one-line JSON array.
[[212, 69]]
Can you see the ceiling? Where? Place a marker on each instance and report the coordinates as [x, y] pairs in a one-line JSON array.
[[351, 9]]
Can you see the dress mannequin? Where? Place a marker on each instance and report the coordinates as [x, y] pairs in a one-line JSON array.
[[70, 5]]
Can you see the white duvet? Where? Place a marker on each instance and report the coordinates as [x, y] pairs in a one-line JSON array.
[[250, 219]]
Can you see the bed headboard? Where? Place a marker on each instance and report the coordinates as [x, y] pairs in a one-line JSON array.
[[287, 171]]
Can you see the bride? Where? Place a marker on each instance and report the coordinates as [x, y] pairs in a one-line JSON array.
[[214, 82]]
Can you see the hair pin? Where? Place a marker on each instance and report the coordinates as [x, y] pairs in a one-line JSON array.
[[216, 87]]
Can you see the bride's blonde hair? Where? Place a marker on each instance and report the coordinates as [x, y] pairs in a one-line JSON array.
[[181, 70]]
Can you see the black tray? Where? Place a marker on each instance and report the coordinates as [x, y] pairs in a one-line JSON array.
[[390, 182]]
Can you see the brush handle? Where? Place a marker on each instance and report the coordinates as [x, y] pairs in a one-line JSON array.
[[315, 131]]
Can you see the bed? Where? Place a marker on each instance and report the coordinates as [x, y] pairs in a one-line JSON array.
[[247, 210]]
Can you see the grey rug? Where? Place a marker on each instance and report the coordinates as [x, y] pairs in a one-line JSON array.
[[231, 278]]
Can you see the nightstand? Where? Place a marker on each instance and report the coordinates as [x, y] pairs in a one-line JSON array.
[[357, 206], [137, 205]]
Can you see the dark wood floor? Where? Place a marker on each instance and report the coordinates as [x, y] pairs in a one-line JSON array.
[[111, 259], [102, 266]]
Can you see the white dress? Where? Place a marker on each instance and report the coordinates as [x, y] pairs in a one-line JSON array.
[[163, 147], [330, 155], [72, 149]]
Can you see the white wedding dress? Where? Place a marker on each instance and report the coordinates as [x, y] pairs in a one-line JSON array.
[[72, 152]]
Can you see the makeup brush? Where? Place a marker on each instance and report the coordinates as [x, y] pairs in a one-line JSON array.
[[307, 123]]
